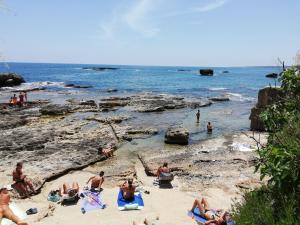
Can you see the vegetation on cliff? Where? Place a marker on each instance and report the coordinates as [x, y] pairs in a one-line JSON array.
[[279, 161]]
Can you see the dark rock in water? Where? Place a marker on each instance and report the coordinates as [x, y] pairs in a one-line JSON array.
[[219, 99], [184, 70], [272, 75], [55, 110], [206, 72], [266, 96], [111, 90], [78, 86], [10, 79], [100, 68], [177, 135], [225, 71]]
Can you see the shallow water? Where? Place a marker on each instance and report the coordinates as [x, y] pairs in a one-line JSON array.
[[241, 84]]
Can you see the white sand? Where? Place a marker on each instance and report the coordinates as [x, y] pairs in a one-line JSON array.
[[169, 206]]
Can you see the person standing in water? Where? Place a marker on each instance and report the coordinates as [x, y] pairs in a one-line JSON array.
[[209, 128], [198, 116]]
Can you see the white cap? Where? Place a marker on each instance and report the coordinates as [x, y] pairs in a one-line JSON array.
[[8, 187]]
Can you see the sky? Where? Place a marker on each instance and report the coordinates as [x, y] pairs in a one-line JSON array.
[[150, 32]]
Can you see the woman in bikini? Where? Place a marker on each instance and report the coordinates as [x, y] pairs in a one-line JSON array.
[[213, 217]]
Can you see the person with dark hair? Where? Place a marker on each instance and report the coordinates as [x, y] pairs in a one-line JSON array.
[[96, 182], [213, 217], [198, 116], [209, 128], [22, 183], [5, 211], [163, 169], [21, 99], [128, 189]]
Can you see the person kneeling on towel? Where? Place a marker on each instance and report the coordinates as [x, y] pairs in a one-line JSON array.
[[128, 190]]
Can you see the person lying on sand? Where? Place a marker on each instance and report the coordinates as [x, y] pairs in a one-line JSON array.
[[22, 183], [211, 215], [128, 190], [163, 169], [69, 191], [96, 182], [5, 211]]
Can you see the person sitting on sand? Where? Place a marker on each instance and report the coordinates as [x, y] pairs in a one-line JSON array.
[[108, 152], [163, 169], [68, 191], [96, 182], [211, 215], [128, 190], [209, 128], [5, 211], [22, 183]]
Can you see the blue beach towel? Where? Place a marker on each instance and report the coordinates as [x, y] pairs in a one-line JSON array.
[[92, 201], [136, 203], [196, 215]]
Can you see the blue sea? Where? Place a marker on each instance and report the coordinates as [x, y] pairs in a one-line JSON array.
[[241, 84]]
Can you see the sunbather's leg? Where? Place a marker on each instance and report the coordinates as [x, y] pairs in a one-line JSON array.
[[65, 188], [204, 202], [75, 187], [135, 223], [146, 222], [29, 184], [7, 213], [198, 204]]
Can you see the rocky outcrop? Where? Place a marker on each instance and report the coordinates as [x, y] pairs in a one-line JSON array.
[[209, 164], [272, 75], [266, 97], [10, 79], [206, 72], [55, 110], [78, 86], [177, 135], [219, 99]]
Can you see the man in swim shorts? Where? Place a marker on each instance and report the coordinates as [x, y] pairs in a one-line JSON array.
[[96, 182]]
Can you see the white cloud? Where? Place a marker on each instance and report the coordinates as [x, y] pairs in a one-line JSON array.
[[136, 18], [210, 6]]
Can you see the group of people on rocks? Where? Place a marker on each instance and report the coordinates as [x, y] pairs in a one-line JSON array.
[[18, 100], [208, 126]]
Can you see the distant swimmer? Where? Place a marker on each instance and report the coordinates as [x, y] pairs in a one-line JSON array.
[[198, 116], [209, 128]]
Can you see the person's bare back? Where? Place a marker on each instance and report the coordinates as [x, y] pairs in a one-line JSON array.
[[128, 190], [97, 181]]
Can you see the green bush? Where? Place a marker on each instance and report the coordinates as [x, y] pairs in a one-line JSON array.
[[279, 161]]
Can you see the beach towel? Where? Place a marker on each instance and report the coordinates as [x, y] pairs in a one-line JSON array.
[[196, 215], [136, 204], [91, 201], [17, 211]]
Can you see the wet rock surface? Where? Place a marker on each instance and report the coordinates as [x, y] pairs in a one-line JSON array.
[[177, 135]]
